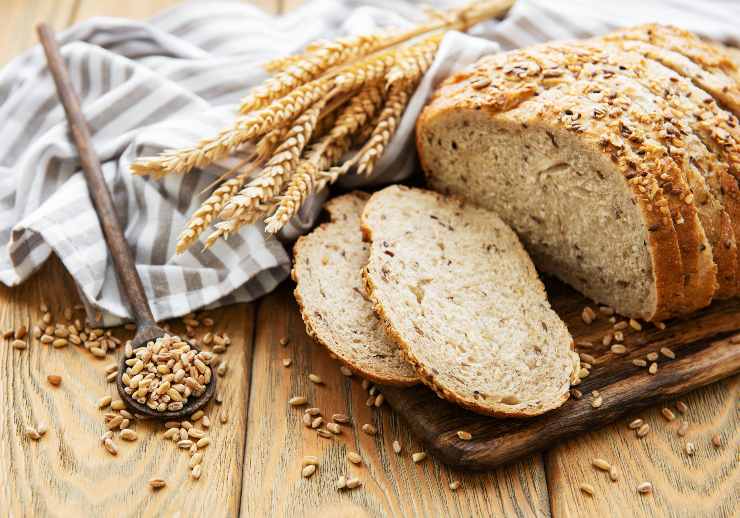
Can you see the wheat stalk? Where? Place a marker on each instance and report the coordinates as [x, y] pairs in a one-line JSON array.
[[296, 107], [328, 151], [205, 214], [251, 202]]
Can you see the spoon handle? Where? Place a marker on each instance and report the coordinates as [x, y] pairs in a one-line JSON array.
[[123, 261]]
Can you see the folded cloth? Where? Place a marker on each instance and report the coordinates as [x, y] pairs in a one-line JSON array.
[[168, 82]]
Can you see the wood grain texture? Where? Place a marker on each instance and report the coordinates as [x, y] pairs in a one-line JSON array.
[[623, 386], [706, 484], [393, 485], [67, 472]]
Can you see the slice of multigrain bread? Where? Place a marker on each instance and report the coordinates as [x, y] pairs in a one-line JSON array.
[[328, 274], [460, 295]]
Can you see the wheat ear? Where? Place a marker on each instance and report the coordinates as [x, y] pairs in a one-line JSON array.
[[415, 62], [245, 129], [203, 217], [328, 151], [252, 201]]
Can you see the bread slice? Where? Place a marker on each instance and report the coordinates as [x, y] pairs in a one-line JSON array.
[[560, 170], [460, 295], [327, 270]]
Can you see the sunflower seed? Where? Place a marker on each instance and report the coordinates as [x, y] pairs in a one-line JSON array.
[[634, 324], [653, 368], [643, 430], [297, 401], [652, 356], [203, 443], [618, 349], [314, 378], [639, 362]]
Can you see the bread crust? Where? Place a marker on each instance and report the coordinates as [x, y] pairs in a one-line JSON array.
[[318, 337], [425, 374], [721, 73], [460, 93]]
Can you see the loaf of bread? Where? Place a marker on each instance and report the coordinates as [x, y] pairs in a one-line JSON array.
[[461, 297], [329, 289], [615, 159]]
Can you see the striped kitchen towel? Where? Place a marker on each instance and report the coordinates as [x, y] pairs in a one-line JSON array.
[[170, 81]]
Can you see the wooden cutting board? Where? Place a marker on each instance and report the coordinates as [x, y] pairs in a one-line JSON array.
[[704, 350]]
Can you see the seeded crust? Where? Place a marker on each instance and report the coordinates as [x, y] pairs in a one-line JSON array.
[[402, 224], [518, 85], [695, 118], [329, 290], [719, 75], [613, 75]]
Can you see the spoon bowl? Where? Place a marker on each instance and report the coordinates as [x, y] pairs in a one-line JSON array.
[[147, 334]]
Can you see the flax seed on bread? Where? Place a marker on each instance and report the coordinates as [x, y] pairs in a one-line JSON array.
[[329, 289], [460, 295]]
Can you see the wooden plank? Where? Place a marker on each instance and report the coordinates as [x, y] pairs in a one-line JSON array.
[[141, 10], [393, 485], [705, 484], [703, 352], [67, 472], [19, 34]]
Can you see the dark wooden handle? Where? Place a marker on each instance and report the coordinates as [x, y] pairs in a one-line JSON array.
[[123, 260]]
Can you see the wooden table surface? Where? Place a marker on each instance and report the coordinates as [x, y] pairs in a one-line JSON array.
[[253, 466]]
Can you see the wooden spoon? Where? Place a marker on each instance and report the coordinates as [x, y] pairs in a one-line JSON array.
[[123, 261]]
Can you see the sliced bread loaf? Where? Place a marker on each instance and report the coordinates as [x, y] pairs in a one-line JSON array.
[[460, 295], [328, 274]]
